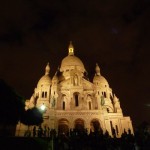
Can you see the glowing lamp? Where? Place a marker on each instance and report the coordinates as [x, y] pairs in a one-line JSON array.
[[43, 107]]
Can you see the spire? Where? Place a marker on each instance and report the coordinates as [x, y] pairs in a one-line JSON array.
[[47, 69], [70, 49], [97, 70]]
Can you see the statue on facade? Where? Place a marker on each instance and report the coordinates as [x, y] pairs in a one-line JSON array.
[[53, 102], [75, 80], [117, 107], [102, 100]]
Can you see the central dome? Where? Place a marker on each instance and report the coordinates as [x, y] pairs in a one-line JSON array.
[[71, 61]]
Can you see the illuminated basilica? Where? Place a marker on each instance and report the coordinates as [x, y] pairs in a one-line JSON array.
[[70, 101]]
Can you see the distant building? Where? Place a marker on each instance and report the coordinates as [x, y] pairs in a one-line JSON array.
[[74, 102]]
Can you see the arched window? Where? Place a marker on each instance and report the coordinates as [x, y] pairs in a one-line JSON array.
[[63, 126], [89, 105], [108, 110], [76, 100], [63, 105], [95, 126], [42, 94], [79, 126], [45, 94], [105, 94]]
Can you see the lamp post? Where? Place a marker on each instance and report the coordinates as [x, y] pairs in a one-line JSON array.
[[43, 107], [50, 146]]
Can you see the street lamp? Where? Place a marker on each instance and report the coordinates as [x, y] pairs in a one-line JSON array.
[[43, 108]]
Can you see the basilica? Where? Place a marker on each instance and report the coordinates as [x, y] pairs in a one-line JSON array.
[[69, 100]]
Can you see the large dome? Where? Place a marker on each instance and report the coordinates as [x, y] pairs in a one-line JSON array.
[[70, 62]]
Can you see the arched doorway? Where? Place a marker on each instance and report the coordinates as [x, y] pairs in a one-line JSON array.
[[95, 126], [63, 126], [79, 125]]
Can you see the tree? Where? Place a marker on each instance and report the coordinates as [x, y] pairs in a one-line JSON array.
[[11, 108], [32, 117], [142, 135]]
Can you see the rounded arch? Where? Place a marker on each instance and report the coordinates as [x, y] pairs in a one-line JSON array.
[[63, 126], [95, 125], [79, 125], [63, 101], [76, 98]]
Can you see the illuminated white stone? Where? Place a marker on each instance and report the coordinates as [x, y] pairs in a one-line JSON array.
[[71, 100]]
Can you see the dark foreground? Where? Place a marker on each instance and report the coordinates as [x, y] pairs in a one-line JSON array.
[[23, 143], [76, 142]]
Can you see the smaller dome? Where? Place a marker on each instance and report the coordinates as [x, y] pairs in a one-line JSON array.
[[100, 79], [45, 80], [103, 80]]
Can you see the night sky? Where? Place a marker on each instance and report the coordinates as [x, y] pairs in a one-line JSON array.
[[115, 34]]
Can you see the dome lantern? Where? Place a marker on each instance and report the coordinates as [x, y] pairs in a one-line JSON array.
[[97, 69], [47, 69], [70, 49], [71, 61]]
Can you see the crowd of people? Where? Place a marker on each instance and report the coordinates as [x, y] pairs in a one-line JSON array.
[[82, 140]]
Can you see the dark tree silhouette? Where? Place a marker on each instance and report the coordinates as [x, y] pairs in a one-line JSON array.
[[32, 117], [142, 135], [11, 109]]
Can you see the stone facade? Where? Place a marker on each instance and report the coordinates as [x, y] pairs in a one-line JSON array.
[[72, 101]]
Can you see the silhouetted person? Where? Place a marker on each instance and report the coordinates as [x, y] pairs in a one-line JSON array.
[[45, 131], [129, 131], [34, 131], [106, 134], [40, 131], [48, 132]]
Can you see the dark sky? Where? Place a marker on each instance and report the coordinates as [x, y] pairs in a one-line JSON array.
[[116, 34]]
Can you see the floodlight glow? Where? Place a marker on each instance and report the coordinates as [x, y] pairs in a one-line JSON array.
[[43, 107]]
